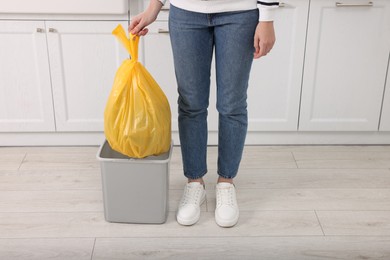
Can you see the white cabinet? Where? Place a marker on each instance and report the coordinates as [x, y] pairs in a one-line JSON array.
[[56, 75], [275, 82], [25, 91], [347, 50], [72, 7], [326, 73], [84, 57], [385, 118], [158, 60]]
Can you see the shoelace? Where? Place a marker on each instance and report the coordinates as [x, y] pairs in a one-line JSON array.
[[191, 195], [225, 196]]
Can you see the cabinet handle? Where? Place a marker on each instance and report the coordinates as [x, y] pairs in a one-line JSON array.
[[40, 30], [163, 31], [338, 4], [52, 30]]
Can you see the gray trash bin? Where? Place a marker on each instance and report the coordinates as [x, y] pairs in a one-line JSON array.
[[134, 190]]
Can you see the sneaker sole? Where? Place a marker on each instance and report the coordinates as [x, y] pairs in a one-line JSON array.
[[223, 223], [186, 222]]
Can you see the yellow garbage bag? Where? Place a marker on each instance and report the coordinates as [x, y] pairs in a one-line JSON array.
[[137, 116]]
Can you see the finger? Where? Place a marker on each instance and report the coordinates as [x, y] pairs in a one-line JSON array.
[[258, 52], [256, 55], [131, 26], [256, 41], [143, 32], [263, 49], [136, 29], [134, 22], [257, 47], [139, 27]]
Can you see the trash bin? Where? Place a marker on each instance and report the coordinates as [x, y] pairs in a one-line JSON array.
[[134, 190]]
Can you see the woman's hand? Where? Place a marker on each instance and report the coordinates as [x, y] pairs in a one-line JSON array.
[[140, 21], [264, 38]]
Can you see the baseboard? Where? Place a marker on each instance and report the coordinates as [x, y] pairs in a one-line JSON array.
[[253, 138]]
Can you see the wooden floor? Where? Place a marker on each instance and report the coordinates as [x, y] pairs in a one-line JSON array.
[[296, 202]]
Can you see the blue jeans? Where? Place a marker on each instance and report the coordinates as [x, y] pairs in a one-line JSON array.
[[193, 37]]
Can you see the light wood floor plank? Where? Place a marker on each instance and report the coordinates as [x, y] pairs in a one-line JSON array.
[[51, 201], [342, 155], [318, 148], [9, 172], [66, 201], [256, 159], [42, 248], [60, 158], [296, 202], [309, 199], [92, 224], [51, 180], [248, 200], [297, 178], [363, 223], [338, 164], [91, 150], [273, 248], [65, 160], [343, 159], [313, 178], [246, 178], [10, 161], [250, 159]]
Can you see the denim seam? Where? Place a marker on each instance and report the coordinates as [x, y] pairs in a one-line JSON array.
[[196, 177], [225, 176]]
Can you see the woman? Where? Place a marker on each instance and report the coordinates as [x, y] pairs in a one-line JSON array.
[[238, 33]]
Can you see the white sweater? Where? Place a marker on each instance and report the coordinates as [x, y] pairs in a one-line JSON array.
[[266, 7]]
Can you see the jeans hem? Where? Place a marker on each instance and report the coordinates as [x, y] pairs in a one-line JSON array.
[[196, 177], [226, 176]]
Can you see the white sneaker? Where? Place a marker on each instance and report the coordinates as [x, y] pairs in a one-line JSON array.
[[226, 211], [194, 195]]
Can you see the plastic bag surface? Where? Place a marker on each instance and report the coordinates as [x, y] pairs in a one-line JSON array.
[[137, 116]]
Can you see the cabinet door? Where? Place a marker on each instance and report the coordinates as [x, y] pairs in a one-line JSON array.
[[345, 65], [158, 60], [385, 118], [25, 91], [275, 82], [84, 57]]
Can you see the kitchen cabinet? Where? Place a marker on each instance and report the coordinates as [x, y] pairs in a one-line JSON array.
[[347, 52], [84, 57], [326, 73], [385, 118], [56, 75], [275, 81], [158, 60], [25, 89]]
